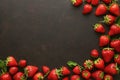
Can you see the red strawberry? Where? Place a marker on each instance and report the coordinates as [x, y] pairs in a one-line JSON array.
[[38, 76], [114, 30], [88, 64], [104, 40], [98, 75], [99, 63], [111, 69], [5, 76], [88, 1], [86, 74], [108, 54], [117, 58], [31, 70], [18, 76], [101, 10], [114, 9], [11, 61], [108, 77], [87, 9], [109, 19], [77, 69], [76, 2], [22, 63], [65, 78], [45, 69], [94, 53], [13, 70], [95, 2], [99, 28], [53, 75], [75, 77], [65, 71], [107, 1], [115, 44]]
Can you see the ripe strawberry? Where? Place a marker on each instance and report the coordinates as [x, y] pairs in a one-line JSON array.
[[88, 64], [22, 63], [77, 69], [99, 63], [99, 28], [104, 40], [108, 77], [53, 75], [101, 10], [31, 70], [114, 30], [38, 76], [88, 1], [98, 75], [5, 76], [108, 54], [115, 44], [75, 77], [95, 2], [109, 19], [107, 1], [13, 70], [19, 76], [114, 9], [65, 71], [87, 9], [117, 58], [76, 2], [11, 61], [65, 78], [111, 69], [45, 69], [86, 74]]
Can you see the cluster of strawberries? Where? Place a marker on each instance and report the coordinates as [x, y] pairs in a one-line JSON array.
[[100, 67]]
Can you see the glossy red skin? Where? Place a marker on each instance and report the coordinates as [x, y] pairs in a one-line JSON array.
[[87, 9], [90, 63], [77, 70], [101, 10], [99, 28], [107, 55], [75, 77], [99, 63], [65, 78], [18, 76], [108, 77], [111, 19], [114, 9], [114, 30], [11, 61], [22, 63], [65, 71], [104, 40], [117, 59], [88, 1], [45, 69], [94, 53], [77, 2], [38, 76], [95, 2], [13, 70], [53, 75], [107, 1], [5, 76], [111, 69], [86, 74], [96, 75], [115, 44]]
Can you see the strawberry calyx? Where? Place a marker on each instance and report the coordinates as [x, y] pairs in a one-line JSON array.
[[3, 66], [116, 67], [73, 1], [96, 25], [72, 64], [106, 19], [58, 72], [108, 48], [102, 75], [97, 60], [88, 64]]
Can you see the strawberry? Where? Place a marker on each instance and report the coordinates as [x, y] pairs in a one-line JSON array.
[[107, 1], [22, 63], [108, 77], [114, 30], [86, 74], [108, 54], [88, 1], [5, 76], [114, 9], [75, 77], [104, 40], [53, 75], [109, 19], [98, 75], [117, 58], [19, 76], [31, 70], [11, 61], [88, 64], [95, 2], [13, 70], [77, 69], [65, 71], [111, 69], [99, 28], [65, 78], [76, 2], [99, 63], [87, 9], [45, 69], [115, 44], [101, 10], [38, 76]]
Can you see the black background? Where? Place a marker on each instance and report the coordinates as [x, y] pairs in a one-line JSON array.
[[46, 32]]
